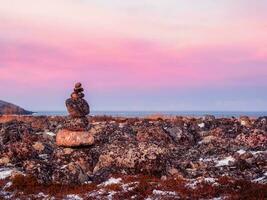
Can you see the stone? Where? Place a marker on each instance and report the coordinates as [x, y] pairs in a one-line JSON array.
[[78, 85], [4, 160], [38, 146], [173, 171], [69, 138], [78, 90], [208, 139], [76, 124], [77, 108], [75, 130], [245, 121]]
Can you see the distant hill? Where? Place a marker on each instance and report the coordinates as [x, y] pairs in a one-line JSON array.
[[11, 109]]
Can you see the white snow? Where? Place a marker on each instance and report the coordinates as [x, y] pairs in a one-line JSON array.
[[50, 133], [112, 181], [7, 185], [257, 152], [43, 156], [41, 194], [225, 161], [205, 159], [194, 182], [259, 179], [73, 197], [241, 151], [110, 195], [160, 192], [201, 125], [129, 186], [209, 180], [5, 172], [64, 166]]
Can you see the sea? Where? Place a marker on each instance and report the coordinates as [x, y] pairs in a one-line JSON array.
[[218, 114]]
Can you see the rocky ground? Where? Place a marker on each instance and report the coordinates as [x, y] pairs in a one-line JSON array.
[[148, 158]]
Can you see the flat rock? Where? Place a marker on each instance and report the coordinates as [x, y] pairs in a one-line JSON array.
[[69, 138]]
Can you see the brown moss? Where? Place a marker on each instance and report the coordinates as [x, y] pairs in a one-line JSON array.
[[113, 187], [29, 185], [227, 187]]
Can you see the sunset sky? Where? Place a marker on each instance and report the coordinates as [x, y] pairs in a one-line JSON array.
[[135, 54]]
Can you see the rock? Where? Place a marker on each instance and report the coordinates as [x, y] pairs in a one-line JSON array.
[[245, 121], [255, 139], [142, 157], [156, 134], [173, 171], [69, 138], [75, 133], [77, 108], [4, 160], [166, 148], [209, 118], [208, 139], [181, 136], [11, 109], [38, 146], [78, 85], [76, 105], [76, 124], [68, 151]]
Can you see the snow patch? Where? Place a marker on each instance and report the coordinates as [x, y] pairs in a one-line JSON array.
[[129, 186], [41, 194], [50, 133], [112, 181], [5, 172], [205, 159], [257, 152], [73, 197], [110, 195], [210, 180], [241, 152], [201, 125], [225, 161], [7, 185], [262, 179], [160, 192]]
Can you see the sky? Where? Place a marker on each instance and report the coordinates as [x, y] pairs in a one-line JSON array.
[[151, 55]]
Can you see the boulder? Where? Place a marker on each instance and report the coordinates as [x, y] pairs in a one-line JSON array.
[[69, 138]]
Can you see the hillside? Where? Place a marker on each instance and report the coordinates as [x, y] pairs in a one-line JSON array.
[[9, 109]]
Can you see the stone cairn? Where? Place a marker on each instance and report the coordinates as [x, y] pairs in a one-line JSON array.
[[75, 130]]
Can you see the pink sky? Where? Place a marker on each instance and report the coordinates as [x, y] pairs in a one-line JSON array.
[[149, 47]]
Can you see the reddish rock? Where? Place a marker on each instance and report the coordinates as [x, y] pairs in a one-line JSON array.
[[255, 139], [69, 138]]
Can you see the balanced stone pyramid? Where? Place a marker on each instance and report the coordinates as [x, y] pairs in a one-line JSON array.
[[75, 130]]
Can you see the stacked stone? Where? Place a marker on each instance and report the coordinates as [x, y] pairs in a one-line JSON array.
[[75, 132], [78, 108]]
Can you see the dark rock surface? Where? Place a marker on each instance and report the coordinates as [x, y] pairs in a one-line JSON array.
[[11, 109], [192, 149]]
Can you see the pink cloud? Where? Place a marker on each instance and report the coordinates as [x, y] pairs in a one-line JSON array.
[[38, 56]]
